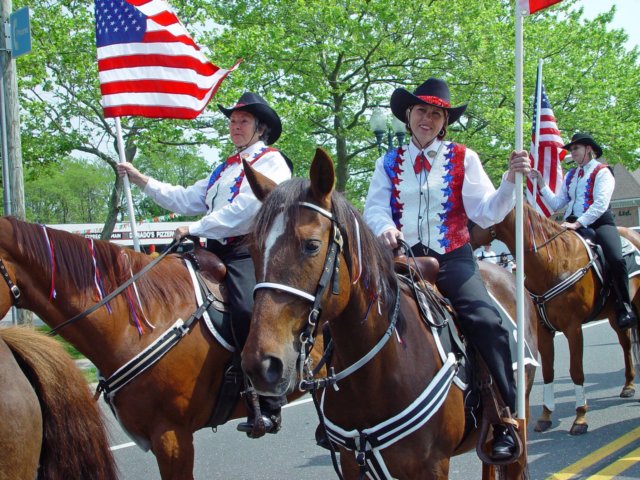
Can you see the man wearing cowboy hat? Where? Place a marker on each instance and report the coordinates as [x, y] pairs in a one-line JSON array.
[[229, 206], [424, 193], [587, 191]]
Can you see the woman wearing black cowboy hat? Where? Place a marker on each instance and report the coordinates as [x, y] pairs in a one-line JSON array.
[[587, 190], [424, 193], [229, 206]]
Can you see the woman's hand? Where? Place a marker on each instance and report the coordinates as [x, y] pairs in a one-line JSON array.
[[537, 176], [180, 233], [389, 238], [518, 162], [125, 168]]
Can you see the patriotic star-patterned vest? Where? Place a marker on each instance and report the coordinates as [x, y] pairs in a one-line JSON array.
[[436, 218], [222, 180], [584, 195]]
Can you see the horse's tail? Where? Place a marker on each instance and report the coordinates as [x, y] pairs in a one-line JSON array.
[[75, 444]]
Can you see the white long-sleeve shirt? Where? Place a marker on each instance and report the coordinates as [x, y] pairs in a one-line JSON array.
[[226, 213], [424, 197], [587, 196]]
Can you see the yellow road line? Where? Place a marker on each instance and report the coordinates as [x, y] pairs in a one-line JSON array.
[[594, 457], [617, 467]]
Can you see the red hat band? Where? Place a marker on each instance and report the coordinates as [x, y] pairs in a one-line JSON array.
[[437, 101]]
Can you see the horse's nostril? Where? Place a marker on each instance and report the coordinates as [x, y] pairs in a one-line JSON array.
[[272, 370]]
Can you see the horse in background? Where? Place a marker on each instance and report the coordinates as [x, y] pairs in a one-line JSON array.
[[50, 426], [384, 352], [62, 275], [559, 253]]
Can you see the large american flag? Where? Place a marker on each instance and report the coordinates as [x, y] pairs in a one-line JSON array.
[[148, 64], [550, 152], [531, 6]]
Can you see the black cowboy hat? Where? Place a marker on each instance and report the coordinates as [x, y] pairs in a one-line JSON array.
[[258, 107], [432, 92], [584, 139]]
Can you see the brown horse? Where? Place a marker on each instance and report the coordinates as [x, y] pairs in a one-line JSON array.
[[384, 354], [559, 253], [57, 275], [50, 426]]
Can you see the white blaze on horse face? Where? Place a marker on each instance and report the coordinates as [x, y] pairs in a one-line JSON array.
[[277, 229]]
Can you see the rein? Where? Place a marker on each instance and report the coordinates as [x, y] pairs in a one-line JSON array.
[[117, 291]]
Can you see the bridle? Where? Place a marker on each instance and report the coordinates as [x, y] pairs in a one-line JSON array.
[[13, 288], [330, 272]]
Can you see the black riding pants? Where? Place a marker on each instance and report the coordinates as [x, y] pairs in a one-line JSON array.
[[459, 280], [240, 281]]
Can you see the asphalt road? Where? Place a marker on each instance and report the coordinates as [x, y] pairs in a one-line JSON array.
[[292, 454]]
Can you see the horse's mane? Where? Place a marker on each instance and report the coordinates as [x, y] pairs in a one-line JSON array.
[[74, 265], [543, 227], [377, 263]]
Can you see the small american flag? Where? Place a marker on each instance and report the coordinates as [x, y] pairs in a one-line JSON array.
[[532, 6], [148, 64], [550, 152]]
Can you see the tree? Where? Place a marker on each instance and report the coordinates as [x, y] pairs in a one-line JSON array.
[[324, 64], [327, 64], [70, 191], [60, 97]]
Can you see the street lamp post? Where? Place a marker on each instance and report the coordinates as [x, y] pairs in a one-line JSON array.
[[379, 126]]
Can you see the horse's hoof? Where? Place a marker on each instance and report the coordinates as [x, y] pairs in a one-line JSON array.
[[542, 426], [578, 429], [628, 392]]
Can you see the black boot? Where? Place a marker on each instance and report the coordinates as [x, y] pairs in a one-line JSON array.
[[504, 444], [272, 423], [626, 317]]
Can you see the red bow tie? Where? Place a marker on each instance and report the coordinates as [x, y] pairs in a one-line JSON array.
[[580, 172], [421, 163], [233, 159]]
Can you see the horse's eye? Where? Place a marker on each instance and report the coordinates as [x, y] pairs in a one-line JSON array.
[[311, 247]]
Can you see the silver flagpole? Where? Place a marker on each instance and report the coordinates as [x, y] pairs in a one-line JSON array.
[[520, 406], [536, 150], [127, 188]]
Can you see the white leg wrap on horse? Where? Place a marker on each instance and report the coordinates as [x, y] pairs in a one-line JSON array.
[[581, 400], [548, 397]]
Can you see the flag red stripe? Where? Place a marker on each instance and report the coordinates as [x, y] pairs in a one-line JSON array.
[[180, 61], [162, 36], [165, 19], [154, 86], [535, 5]]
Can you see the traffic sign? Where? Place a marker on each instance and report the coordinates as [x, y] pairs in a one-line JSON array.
[[20, 32]]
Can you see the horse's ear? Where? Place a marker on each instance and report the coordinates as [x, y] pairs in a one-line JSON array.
[[259, 183], [322, 175]]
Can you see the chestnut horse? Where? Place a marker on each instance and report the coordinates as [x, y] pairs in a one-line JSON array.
[[301, 227], [559, 253], [50, 426], [160, 409]]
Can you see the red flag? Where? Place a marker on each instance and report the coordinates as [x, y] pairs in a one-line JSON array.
[[550, 152], [532, 6], [148, 64]]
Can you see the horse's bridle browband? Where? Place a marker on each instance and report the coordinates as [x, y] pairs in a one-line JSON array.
[[13, 288]]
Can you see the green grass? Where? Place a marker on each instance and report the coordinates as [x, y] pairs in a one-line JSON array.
[[71, 350]]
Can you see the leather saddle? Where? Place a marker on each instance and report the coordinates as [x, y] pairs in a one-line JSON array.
[[213, 271]]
